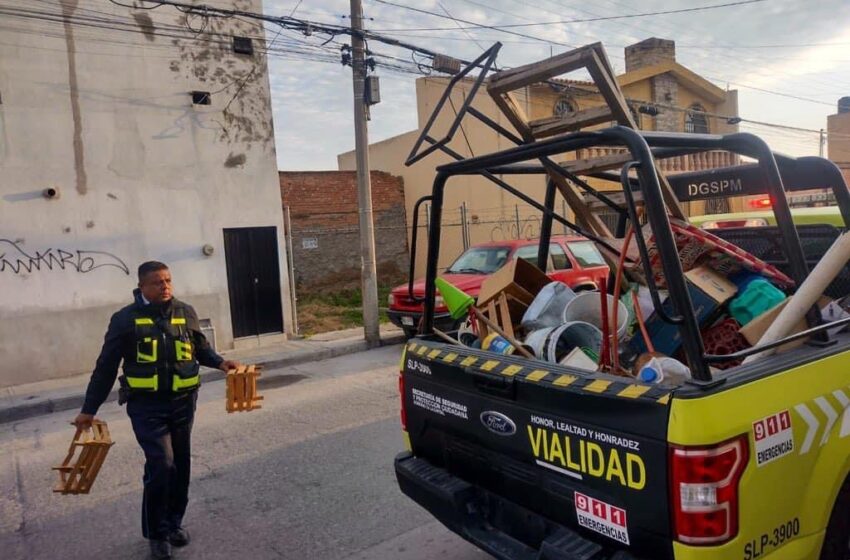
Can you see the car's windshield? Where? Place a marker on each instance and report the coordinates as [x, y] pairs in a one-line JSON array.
[[480, 260]]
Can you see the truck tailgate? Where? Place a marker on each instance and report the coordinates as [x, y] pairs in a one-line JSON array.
[[587, 453]]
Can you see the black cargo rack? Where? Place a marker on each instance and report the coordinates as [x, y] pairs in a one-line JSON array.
[[772, 174]]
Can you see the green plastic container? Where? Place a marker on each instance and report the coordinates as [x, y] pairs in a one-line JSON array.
[[759, 296]]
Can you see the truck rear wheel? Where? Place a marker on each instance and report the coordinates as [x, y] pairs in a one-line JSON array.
[[836, 542]]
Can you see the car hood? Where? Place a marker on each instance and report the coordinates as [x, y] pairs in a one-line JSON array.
[[469, 283]]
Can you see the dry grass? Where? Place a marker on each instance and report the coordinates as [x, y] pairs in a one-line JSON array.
[[333, 311]]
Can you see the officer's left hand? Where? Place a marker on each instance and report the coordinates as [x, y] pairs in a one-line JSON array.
[[228, 365]]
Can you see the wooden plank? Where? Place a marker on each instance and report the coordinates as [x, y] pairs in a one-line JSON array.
[[505, 315], [603, 76], [610, 90], [585, 166], [571, 121], [230, 395], [521, 76], [584, 217], [511, 108]]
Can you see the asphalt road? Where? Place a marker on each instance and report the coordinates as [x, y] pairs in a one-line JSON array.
[[309, 476]]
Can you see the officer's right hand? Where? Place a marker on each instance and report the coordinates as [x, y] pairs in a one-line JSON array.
[[83, 421]]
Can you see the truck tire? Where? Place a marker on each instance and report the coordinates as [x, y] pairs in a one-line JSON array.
[[836, 542]]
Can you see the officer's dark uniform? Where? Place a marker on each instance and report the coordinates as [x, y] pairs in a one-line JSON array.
[[162, 348]]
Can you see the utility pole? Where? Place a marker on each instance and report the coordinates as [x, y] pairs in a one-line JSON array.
[[369, 283], [821, 142]]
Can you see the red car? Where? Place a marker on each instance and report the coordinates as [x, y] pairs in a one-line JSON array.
[[573, 260]]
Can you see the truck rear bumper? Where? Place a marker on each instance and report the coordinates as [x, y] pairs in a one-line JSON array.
[[482, 517]]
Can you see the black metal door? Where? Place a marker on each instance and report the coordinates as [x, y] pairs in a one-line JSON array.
[[253, 280]]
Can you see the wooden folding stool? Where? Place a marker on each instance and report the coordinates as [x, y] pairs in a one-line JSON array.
[[78, 472], [242, 395]]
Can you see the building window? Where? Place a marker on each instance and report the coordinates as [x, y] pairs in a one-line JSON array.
[[696, 120], [563, 107]]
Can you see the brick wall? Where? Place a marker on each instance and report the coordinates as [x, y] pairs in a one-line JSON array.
[[665, 92], [326, 230], [649, 52]]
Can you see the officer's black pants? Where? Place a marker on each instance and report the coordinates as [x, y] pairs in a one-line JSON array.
[[163, 427]]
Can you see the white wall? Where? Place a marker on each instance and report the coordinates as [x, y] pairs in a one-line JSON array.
[[106, 118]]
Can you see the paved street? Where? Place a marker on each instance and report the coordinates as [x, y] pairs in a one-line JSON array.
[[308, 476]]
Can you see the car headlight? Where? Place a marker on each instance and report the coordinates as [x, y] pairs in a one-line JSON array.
[[438, 301], [391, 300]]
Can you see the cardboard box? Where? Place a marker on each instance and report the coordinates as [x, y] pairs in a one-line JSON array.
[[755, 329], [708, 289], [518, 278]]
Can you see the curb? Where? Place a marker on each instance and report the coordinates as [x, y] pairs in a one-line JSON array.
[[75, 401]]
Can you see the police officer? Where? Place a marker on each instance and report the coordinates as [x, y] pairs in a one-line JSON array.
[[160, 342]]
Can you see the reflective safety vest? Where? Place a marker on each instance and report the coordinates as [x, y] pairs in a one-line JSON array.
[[164, 357]]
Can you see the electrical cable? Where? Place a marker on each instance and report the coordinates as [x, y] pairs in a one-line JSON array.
[[567, 22]]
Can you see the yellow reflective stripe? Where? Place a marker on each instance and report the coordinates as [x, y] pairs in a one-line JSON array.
[[564, 380], [634, 391], [143, 357], [178, 320], [511, 370], [469, 361], [597, 386], [180, 383], [401, 361], [143, 382], [489, 365], [144, 321], [450, 357], [433, 354], [537, 375], [183, 350]]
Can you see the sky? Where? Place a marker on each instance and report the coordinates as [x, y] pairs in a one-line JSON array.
[[799, 49]]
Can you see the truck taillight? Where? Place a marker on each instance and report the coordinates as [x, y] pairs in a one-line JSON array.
[[401, 396], [704, 491]]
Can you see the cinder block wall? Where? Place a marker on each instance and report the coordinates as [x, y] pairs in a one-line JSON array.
[[326, 229]]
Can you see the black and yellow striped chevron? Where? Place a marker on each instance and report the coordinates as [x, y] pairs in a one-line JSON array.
[[537, 372]]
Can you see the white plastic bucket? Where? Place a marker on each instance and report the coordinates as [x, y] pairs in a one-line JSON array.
[[587, 307], [554, 343]]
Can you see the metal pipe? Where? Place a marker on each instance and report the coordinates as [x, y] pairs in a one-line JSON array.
[[672, 267], [546, 225], [414, 241], [433, 250]]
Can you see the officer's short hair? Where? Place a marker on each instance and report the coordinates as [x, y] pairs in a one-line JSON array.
[[150, 266]]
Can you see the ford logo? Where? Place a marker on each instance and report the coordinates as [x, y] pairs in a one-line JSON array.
[[498, 423]]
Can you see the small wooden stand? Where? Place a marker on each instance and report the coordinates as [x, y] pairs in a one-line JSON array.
[[242, 393], [498, 310], [76, 475]]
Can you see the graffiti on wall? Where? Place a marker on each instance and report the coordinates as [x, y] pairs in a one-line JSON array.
[[507, 228], [13, 259]]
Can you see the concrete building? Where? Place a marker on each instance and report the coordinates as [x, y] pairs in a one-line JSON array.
[[654, 83], [148, 138]]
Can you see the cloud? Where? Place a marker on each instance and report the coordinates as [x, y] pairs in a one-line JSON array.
[[312, 100]]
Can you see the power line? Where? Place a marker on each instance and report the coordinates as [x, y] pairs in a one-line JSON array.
[[569, 21], [508, 31], [320, 54]]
